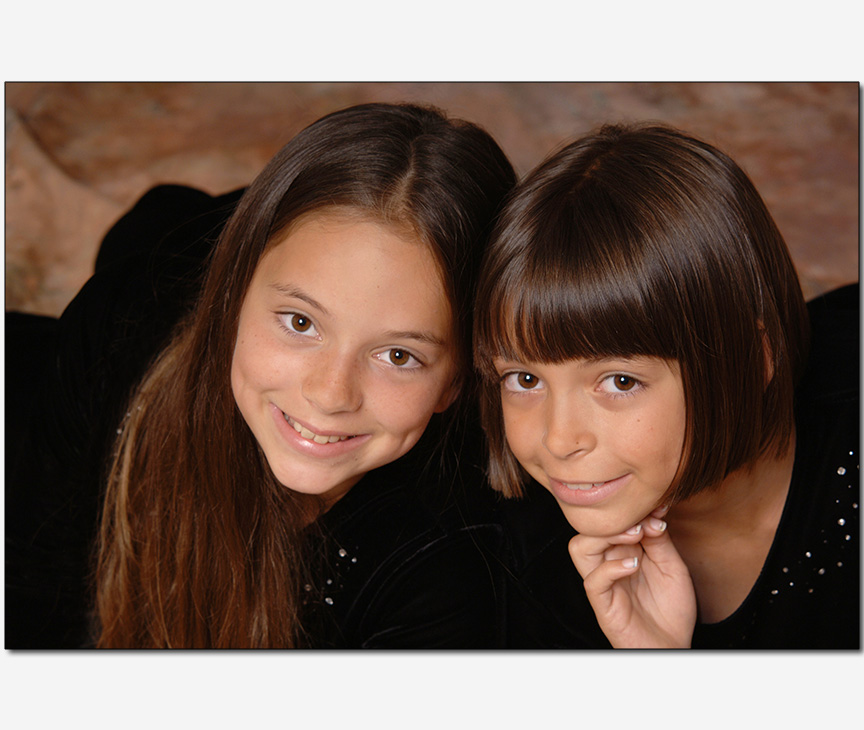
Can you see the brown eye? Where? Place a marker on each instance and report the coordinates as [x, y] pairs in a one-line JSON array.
[[519, 382], [399, 357], [527, 380], [624, 382], [299, 323]]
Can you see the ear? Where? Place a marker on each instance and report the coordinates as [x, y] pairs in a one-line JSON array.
[[449, 396]]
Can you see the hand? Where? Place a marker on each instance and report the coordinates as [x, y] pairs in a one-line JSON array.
[[638, 585]]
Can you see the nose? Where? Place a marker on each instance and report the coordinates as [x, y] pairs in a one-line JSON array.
[[569, 430], [332, 384]]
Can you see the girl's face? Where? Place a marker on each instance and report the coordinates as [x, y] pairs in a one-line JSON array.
[[345, 348], [605, 436]]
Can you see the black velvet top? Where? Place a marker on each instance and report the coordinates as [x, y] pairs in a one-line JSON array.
[[397, 568], [401, 572], [808, 592]]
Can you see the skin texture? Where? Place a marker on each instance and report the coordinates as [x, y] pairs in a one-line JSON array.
[[619, 425], [638, 585], [617, 422], [346, 330]]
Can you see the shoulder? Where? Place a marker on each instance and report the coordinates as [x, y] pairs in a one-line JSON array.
[[827, 403], [827, 399], [172, 219], [833, 363], [72, 377], [818, 540], [145, 279]]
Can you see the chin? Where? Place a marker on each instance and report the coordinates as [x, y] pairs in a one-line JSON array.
[[586, 524], [311, 484]]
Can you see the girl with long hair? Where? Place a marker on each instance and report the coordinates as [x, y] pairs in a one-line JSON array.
[[278, 476], [643, 343]]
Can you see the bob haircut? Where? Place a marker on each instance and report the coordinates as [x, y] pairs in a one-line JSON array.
[[187, 479], [643, 241]]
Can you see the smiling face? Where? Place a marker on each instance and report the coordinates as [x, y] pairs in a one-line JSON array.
[[344, 351], [605, 437]]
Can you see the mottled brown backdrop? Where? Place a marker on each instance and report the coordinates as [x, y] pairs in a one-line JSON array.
[[79, 154]]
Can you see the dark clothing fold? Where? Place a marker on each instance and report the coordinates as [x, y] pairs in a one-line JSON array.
[[399, 570], [807, 595]]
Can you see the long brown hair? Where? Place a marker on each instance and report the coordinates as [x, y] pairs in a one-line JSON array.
[[646, 241], [199, 545]]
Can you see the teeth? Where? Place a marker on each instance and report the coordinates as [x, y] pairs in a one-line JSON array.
[[312, 436], [583, 487]]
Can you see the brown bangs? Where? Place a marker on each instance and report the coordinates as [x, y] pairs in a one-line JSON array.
[[563, 297], [646, 242]]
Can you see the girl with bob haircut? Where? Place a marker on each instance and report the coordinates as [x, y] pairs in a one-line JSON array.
[[643, 345], [264, 488]]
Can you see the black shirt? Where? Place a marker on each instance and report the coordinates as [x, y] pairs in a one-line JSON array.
[[401, 565], [808, 592]]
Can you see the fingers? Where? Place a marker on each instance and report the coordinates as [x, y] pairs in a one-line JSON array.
[[660, 551], [599, 583], [660, 511], [653, 524], [588, 552], [620, 552], [653, 527], [637, 584]]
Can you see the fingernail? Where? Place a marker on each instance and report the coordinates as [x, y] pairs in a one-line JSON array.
[[635, 530], [658, 524], [631, 563]]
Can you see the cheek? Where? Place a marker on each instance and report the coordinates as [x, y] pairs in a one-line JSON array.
[[405, 411], [238, 375], [243, 384], [520, 432], [403, 402], [240, 358], [675, 430], [661, 445], [254, 377], [258, 360], [243, 370]]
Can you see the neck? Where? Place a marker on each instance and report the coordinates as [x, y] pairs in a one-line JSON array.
[[744, 500], [725, 534]]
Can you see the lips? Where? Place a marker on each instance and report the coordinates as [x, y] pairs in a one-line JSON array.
[[586, 493], [314, 444]]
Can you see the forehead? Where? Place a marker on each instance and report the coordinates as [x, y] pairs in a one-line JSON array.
[[351, 265]]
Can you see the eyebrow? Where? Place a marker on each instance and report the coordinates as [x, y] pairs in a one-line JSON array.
[[426, 337], [294, 292]]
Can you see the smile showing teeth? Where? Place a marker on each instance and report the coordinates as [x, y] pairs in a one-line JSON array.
[[312, 436], [583, 487]]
